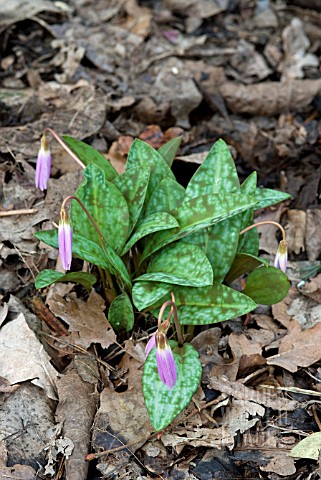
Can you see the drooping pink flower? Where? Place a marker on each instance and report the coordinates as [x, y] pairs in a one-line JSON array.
[[43, 164], [65, 240], [150, 344], [281, 257], [165, 361]]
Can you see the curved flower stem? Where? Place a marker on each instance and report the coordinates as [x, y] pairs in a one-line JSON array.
[[266, 222], [165, 324], [96, 227], [68, 150]]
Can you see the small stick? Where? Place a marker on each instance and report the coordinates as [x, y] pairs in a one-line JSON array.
[[23, 211], [45, 314]]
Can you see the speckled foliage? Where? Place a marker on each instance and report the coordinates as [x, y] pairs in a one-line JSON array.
[[164, 404]]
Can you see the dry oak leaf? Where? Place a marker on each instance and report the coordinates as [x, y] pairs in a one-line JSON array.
[[24, 357], [299, 348], [86, 320]]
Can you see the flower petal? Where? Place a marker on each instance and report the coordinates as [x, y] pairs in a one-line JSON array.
[[43, 165], [150, 344], [65, 241]]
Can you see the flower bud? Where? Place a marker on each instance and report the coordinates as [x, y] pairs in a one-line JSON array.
[[43, 164], [281, 257], [65, 240]]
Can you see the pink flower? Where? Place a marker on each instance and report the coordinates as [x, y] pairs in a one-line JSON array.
[[164, 358], [65, 240], [281, 257], [43, 164]]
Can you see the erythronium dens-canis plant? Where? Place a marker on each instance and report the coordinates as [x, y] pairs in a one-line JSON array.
[[163, 249]]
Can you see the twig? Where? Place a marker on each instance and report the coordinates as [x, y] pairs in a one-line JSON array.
[[23, 211]]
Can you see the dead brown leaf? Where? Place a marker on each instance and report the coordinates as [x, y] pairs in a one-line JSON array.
[[298, 348], [295, 231], [313, 233], [86, 320], [240, 392], [76, 410], [24, 357], [269, 98], [295, 44], [16, 472], [27, 422], [247, 353]]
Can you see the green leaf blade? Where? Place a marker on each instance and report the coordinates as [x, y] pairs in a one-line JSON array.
[[88, 155], [146, 294], [163, 404], [169, 150], [133, 185], [217, 174], [181, 263], [107, 206], [121, 313], [48, 277], [267, 285]]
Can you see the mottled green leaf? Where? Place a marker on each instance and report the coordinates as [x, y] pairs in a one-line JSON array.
[[182, 264], [242, 264], [121, 313], [150, 224], [48, 277], [88, 154], [309, 447], [167, 197], [163, 404], [146, 294], [107, 206], [169, 150], [133, 185], [205, 305], [197, 214], [143, 155], [249, 241], [217, 174], [267, 285], [267, 197]]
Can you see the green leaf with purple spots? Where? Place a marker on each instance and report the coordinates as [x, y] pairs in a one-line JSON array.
[[163, 404]]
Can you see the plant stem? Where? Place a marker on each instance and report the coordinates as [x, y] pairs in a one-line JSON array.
[[266, 222], [173, 311], [68, 150]]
